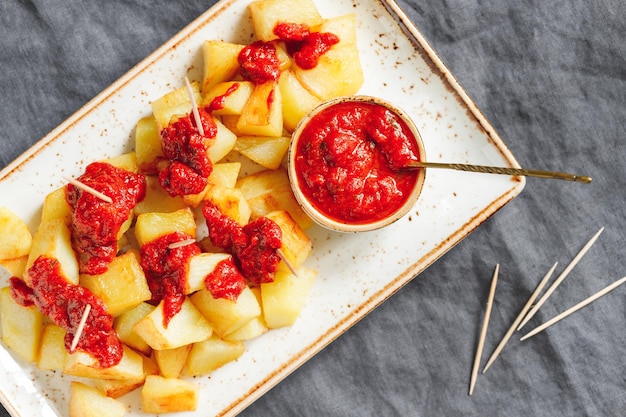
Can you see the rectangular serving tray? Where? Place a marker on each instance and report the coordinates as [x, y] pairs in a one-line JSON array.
[[356, 272]]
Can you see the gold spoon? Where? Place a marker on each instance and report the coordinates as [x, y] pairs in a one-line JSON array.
[[501, 170]]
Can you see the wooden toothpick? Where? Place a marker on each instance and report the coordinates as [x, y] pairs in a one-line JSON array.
[[560, 279], [282, 256], [194, 107], [574, 308], [181, 243], [88, 189], [79, 329], [483, 332], [519, 318]]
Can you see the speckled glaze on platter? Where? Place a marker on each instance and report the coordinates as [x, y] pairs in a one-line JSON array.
[[356, 272]]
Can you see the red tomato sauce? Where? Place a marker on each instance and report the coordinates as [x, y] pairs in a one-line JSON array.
[[95, 222], [218, 102], [166, 271], [225, 281], [304, 46], [259, 62], [187, 165], [347, 162], [64, 303], [254, 246]]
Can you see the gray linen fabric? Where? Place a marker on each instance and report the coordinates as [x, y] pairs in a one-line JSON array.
[[551, 78]]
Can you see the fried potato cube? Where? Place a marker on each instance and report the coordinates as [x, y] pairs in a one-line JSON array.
[[55, 206], [171, 362], [151, 226], [297, 100], [157, 200], [21, 326], [53, 239], [263, 112], [16, 237], [225, 174], [266, 14], [15, 266], [224, 315], [213, 353], [122, 287], [124, 323], [220, 62], [147, 144], [284, 59], [284, 298], [254, 328], [270, 190], [172, 104], [52, 354], [116, 388], [187, 326], [265, 151], [86, 401], [168, 395], [199, 267], [228, 97], [84, 365], [296, 245], [338, 71], [222, 144], [126, 161], [231, 202]]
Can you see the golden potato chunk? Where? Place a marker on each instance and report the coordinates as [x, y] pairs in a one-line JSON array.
[[168, 395], [151, 226], [86, 401], [147, 144], [15, 266], [187, 326], [297, 100], [116, 388], [263, 112], [224, 315], [266, 14], [265, 151], [296, 245], [338, 71], [220, 62], [52, 354], [228, 97], [55, 206], [16, 237], [174, 103], [122, 287], [210, 354], [171, 362], [270, 190], [284, 298], [21, 326], [124, 323], [84, 365], [157, 200], [53, 239]]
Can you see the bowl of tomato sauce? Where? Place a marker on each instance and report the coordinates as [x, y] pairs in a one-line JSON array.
[[349, 163]]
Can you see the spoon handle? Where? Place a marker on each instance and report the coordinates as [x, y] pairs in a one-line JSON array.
[[502, 170]]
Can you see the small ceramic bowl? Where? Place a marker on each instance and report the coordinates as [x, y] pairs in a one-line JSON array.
[[336, 167]]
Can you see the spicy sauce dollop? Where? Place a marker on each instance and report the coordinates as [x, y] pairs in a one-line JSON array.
[[96, 223], [165, 268], [64, 303], [348, 162]]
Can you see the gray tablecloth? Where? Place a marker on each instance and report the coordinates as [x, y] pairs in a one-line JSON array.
[[550, 76]]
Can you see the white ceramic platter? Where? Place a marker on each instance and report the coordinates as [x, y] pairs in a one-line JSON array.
[[356, 272]]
